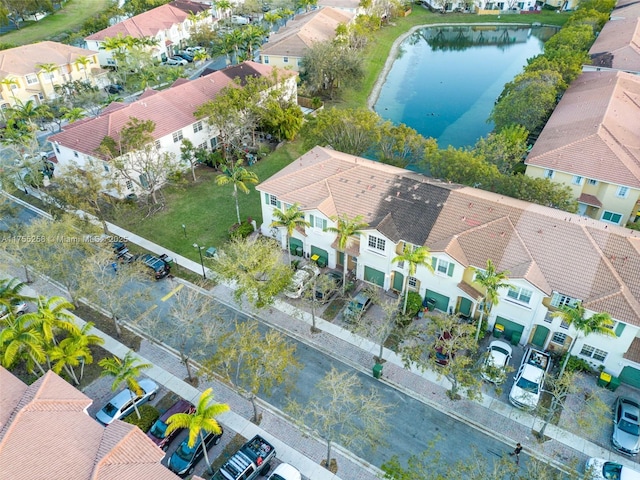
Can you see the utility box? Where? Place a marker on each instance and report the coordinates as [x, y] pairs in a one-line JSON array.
[[377, 370]]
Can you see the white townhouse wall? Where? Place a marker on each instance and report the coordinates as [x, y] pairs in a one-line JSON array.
[[553, 258], [172, 111]]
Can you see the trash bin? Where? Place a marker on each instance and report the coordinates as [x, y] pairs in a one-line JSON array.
[[498, 330], [210, 252], [515, 338], [604, 379], [613, 384], [430, 303], [377, 370]]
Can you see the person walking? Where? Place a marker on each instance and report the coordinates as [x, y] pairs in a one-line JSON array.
[[516, 452]]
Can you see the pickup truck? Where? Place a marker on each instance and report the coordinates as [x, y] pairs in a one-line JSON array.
[[253, 459], [527, 386], [160, 265]]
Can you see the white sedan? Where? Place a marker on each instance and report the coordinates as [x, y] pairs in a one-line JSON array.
[[284, 471], [300, 279], [600, 469], [495, 363]]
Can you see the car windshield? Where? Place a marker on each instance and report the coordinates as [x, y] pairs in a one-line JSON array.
[[186, 453], [628, 427], [159, 429], [527, 385], [110, 409], [611, 471]]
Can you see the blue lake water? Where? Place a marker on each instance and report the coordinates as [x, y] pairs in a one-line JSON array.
[[446, 80]]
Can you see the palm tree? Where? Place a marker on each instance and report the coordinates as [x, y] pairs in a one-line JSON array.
[[69, 354], [346, 228], [73, 114], [83, 62], [492, 281], [414, 257], [200, 421], [271, 18], [50, 69], [83, 338], [290, 219], [52, 317], [238, 176], [124, 371], [9, 83], [223, 6], [252, 36], [600, 323], [10, 292], [19, 339]]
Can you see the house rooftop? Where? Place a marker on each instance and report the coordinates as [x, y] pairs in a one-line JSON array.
[[593, 130], [47, 433], [305, 30], [25, 59], [149, 23], [617, 44], [552, 249]]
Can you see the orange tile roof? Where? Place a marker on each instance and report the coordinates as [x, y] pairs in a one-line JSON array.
[[24, 60], [182, 100], [305, 30], [49, 435], [554, 250], [617, 43], [592, 132], [149, 23]]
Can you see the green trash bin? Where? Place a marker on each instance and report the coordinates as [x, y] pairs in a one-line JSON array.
[[604, 379], [377, 370], [498, 330], [613, 384], [515, 338]]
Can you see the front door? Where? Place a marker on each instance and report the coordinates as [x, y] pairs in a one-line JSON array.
[[398, 281], [540, 336]]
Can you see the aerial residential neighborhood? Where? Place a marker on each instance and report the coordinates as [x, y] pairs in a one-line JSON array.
[[213, 246]]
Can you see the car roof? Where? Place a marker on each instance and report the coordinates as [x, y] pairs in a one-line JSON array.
[[361, 297], [181, 406], [533, 373], [286, 471], [125, 395]]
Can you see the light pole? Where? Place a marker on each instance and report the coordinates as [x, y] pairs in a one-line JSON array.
[[184, 230], [195, 245]]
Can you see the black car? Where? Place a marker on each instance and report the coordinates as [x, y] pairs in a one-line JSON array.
[[185, 458], [327, 285], [114, 89], [185, 56]]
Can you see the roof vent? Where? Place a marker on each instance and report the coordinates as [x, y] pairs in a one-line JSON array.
[[470, 204]]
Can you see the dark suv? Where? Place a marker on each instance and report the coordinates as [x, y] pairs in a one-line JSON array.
[[184, 459], [158, 432]]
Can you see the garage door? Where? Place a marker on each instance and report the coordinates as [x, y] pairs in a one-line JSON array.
[[630, 376], [442, 301], [510, 327], [374, 276]]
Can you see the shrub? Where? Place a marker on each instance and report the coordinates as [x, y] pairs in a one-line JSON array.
[[576, 364], [242, 230], [414, 303], [148, 416]]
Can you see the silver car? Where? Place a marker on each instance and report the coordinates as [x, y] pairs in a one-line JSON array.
[[123, 403], [626, 426]]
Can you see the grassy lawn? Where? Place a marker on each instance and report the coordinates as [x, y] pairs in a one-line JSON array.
[[70, 18], [204, 208]]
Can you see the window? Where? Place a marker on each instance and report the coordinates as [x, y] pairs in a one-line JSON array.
[[75, 154], [559, 338], [203, 146], [318, 222], [413, 282], [520, 294], [177, 136], [271, 200], [129, 184], [376, 243], [48, 76], [197, 126], [611, 217], [592, 352], [442, 266], [592, 181], [559, 300], [622, 192], [157, 143], [106, 167], [14, 86], [577, 180], [31, 79], [265, 59], [548, 173], [285, 59]]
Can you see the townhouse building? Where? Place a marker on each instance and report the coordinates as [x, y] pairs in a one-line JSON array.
[[31, 72], [590, 144], [172, 111], [169, 26], [553, 258], [287, 47]]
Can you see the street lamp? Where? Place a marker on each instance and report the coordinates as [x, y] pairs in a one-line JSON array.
[[195, 245], [184, 230]]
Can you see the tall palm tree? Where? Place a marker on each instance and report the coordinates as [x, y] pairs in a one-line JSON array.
[[289, 220], [201, 421], [52, 318], [11, 292], [223, 7], [239, 177], [600, 323], [124, 371], [10, 83], [492, 281], [69, 354], [252, 36], [50, 69], [83, 338], [18, 340], [73, 114], [346, 228], [414, 258], [83, 62]]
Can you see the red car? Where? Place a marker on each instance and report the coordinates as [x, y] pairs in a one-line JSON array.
[[442, 355], [157, 433]]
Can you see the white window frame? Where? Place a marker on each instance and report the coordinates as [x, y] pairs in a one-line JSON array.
[[177, 136], [440, 264], [157, 144], [622, 192], [548, 173], [32, 79], [412, 282], [197, 127], [592, 182], [129, 184], [285, 59], [265, 59], [594, 353], [577, 180], [376, 243], [558, 300], [519, 294], [273, 200], [559, 338]]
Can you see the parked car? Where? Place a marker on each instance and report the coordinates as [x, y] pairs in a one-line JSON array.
[[193, 50], [495, 363], [185, 56], [18, 306], [626, 426], [158, 431], [441, 353], [300, 279], [600, 469], [284, 471], [327, 285], [239, 20], [114, 89], [175, 61], [185, 458], [123, 403], [356, 307]]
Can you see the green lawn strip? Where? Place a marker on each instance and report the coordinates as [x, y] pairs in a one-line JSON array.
[[70, 18]]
